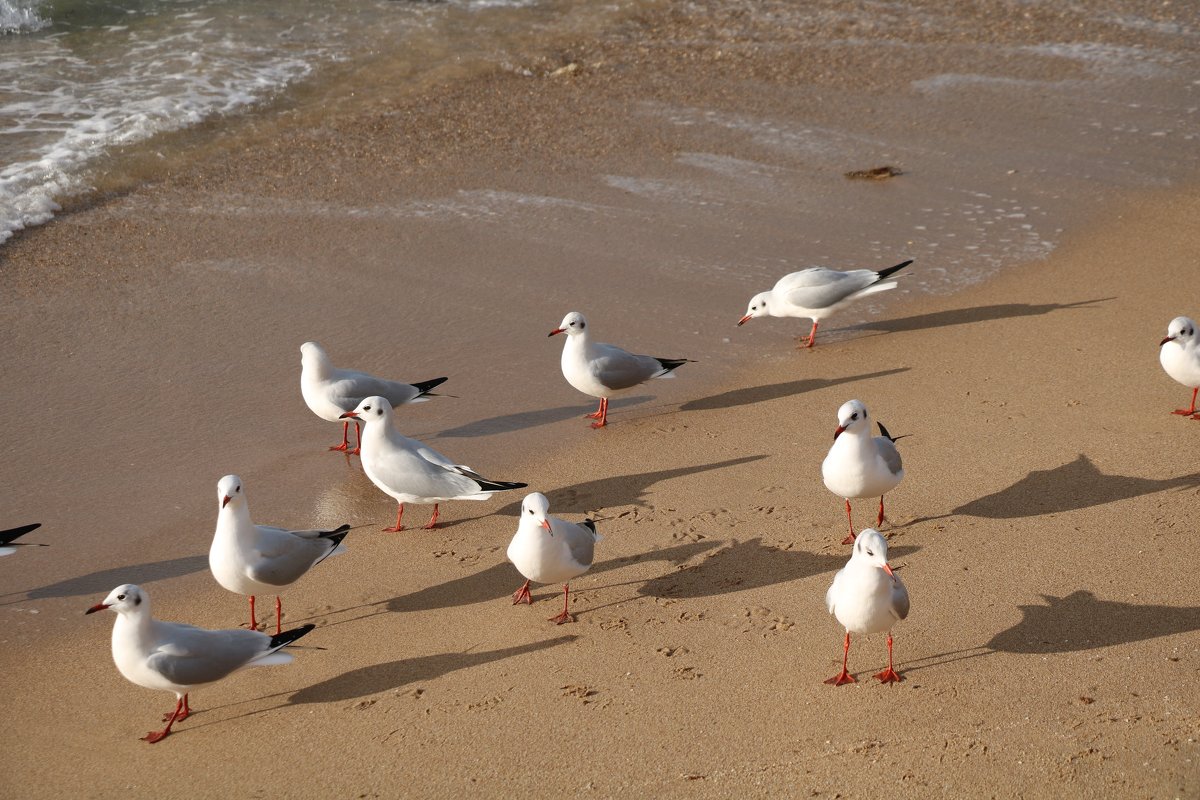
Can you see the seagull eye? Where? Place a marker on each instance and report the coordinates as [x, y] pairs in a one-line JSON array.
[[238, 489], [366, 408], [120, 597], [854, 415], [870, 552]]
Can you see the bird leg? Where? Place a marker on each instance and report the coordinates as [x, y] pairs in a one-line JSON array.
[[358, 438], [843, 676], [158, 736], [180, 716], [602, 419], [810, 340], [433, 520], [849, 539], [565, 616], [595, 414], [399, 525], [1190, 411], [879, 521], [889, 675], [345, 445], [253, 619], [278, 615], [522, 595]]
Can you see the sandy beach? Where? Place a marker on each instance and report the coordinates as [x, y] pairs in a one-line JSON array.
[[1042, 528]]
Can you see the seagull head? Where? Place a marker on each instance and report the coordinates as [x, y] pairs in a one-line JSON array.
[[852, 416], [125, 599], [229, 490], [573, 324], [870, 548], [757, 307], [371, 409], [1181, 330], [534, 508], [311, 352]]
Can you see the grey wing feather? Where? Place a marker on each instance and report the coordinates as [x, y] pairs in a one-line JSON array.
[[582, 542], [351, 387], [830, 593], [821, 288], [192, 656], [899, 599], [620, 369], [890, 455], [284, 556]]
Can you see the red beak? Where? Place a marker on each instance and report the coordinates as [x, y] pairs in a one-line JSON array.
[[1165, 340], [888, 569], [225, 500], [95, 608], [349, 415], [838, 431], [546, 525], [744, 320], [556, 330]]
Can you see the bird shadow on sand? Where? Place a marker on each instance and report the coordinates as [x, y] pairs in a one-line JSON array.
[[1077, 484], [619, 489], [748, 565], [774, 391], [103, 581], [499, 580], [394, 674], [966, 316], [506, 423]]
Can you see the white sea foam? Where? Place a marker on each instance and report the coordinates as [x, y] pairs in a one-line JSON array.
[[20, 16]]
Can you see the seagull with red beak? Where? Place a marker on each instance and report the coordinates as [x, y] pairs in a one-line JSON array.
[[181, 658], [603, 370], [859, 464], [817, 292], [413, 472], [547, 549], [867, 597], [1179, 354]]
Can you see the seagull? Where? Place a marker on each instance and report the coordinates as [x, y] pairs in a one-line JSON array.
[[330, 392], [181, 658], [1179, 354], [602, 370], [254, 559], [858, 464], [547, 549], [413, 472], [8, 546], [867, 597], [816, 293]]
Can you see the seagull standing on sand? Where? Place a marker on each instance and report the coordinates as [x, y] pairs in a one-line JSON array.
[[602, 370], [817, 292], [8, 545], [254, 559], [1179, 354], [181, 658], [858, 464], [413, 472], [867, 597], [547, 549], [330, 392]]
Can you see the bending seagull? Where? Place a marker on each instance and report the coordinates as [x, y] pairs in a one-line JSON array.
[[816, 293], [181, 658], [254, 559], [8, 545], [858, 464], [602, 370], [547, 549], [867, 597], [1179, 354], [413, 472], [330, 392]]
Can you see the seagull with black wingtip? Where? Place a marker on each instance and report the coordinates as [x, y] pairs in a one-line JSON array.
[[859, 464]]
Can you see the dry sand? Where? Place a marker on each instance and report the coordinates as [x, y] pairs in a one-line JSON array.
[[152, 346]]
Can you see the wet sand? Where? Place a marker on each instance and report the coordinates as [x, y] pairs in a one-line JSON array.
[[1042, 528]]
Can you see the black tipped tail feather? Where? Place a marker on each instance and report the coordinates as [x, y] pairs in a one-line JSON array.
[[281, 640], [427, 387], [7, 537], [498, 486], [883, 273], [671, 364]]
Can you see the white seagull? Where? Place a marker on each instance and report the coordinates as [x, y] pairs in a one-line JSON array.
[[330, 392], [602, 370], [1179, 354], [867, 597], [858, 464], [547, 549], [413, 472], [181, 658], [8, 543], [254, 559], [817, 292]]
